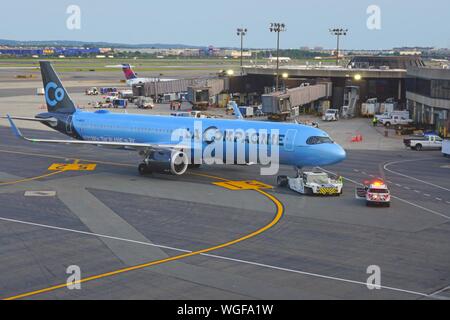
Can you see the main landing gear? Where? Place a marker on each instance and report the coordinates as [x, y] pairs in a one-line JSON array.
[[144, 169]]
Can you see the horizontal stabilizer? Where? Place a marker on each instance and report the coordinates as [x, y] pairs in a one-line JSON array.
[[51, 121]]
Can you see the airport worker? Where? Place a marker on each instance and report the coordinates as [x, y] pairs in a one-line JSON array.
[[375, 121]]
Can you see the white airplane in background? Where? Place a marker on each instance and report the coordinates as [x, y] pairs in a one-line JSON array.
[[132, 77], [280, 59]]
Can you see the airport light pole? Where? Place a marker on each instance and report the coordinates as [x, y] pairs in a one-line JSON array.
[[338, 32], [242, 32], [278, 28]]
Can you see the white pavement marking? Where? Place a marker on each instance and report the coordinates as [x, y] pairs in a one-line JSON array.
[[398, 185], [440, 291], [438, 199], [417, 191], [427, 195], [40, 194], [409, 177], [423, 208], [88, 233], [217, 257], [400, 199]]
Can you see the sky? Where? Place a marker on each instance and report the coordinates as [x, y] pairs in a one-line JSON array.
[[214, 22]]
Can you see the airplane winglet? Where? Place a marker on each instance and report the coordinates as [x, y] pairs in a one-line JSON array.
[[14, 128], [236, 110]]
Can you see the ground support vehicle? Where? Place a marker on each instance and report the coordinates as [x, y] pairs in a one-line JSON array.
[[313, 183]]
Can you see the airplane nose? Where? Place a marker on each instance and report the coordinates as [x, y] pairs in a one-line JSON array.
[[339, 154]]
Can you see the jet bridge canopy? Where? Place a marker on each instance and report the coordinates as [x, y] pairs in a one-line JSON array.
[[283, 102]]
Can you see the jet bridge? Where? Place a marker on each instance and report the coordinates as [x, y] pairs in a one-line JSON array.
[[155, 88], [281, 104]]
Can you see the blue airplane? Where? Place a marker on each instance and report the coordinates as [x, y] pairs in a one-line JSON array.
[[298, 145]]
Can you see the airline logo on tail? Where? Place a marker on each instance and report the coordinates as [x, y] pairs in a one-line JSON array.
[[129, 73], [58, 94]]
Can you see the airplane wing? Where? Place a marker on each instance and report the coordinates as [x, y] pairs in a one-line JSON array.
[[126, 145]]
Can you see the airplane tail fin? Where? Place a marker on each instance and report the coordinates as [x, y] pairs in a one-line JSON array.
[[56, 96], [128, 71], [237, 111]]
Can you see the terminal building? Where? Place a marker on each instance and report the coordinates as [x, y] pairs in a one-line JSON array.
[[381, 77], [428, 97], [405, 80], [423, 91]]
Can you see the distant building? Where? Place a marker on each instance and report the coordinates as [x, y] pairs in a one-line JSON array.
[[389, 62], [422, 49], [68, 52], [236, 54], [410, 53], [21, 52]]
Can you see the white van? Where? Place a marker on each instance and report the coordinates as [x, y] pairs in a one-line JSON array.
[[446, 148]]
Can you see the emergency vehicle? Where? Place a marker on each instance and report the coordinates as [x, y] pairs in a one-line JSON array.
[[375, 193]]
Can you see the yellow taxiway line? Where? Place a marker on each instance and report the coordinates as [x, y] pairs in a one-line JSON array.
[[30, 179], [51, 156], [278, 216], [8, 183]]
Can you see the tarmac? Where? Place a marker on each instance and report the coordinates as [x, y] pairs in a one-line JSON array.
[[165, 237]]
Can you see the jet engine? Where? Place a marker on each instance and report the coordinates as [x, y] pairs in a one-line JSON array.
[[168, 161]]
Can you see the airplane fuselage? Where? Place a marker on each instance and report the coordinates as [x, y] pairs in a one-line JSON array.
[[136, 81], [293, 140]]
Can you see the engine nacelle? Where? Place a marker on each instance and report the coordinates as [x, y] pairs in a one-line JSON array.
[[172, 162]]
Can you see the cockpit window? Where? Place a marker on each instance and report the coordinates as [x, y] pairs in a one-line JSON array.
[[318, 140]]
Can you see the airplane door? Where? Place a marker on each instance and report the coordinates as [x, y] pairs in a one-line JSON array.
[[289, 140]]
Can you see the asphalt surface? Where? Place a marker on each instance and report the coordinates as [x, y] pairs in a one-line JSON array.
[[111, 218], [4, 93]]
